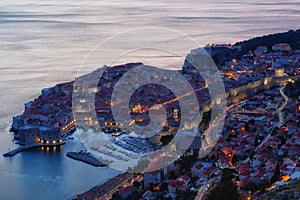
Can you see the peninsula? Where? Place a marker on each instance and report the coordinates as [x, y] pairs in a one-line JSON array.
[[257, 151]]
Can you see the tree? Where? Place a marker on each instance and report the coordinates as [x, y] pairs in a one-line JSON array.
[[277, 174], [186, 162], [172, 175], [225, 191], [255, 185], [251, 121], [247, 127], [185, 195], [137, 185], [256, 141], [134, 196], [164, 186], [291, 37], [235, 159], [228, 175], [116, 196], [151, 186], [293, 90]]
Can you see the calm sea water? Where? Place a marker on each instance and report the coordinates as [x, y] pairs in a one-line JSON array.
[[44, 42]]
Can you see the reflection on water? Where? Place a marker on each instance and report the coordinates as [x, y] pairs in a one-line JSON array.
[[51, 151], [49, 173]]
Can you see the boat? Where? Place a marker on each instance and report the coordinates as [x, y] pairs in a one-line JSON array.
[[87, 158]]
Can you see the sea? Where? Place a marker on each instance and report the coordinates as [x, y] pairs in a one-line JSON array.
[[43, 43]]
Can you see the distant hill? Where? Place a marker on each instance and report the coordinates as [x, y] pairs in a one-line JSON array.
[[222, 54], [291, 37]]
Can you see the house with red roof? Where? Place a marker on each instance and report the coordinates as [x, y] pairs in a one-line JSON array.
[[207, 172], [293, 150], [174, 185], [197, 168], [186, 179], [176, 170]]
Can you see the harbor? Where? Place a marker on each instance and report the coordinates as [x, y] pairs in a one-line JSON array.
[[45, 43]]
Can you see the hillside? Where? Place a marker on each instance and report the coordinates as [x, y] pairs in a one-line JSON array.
[[290, 191], [291, 37]]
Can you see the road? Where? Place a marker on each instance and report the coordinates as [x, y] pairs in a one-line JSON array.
[[175, 99], [280, 122], [124, 183], [203, 189], [279, 110]]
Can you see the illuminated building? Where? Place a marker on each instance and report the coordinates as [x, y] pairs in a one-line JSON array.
[[176, 118], [40, 135]]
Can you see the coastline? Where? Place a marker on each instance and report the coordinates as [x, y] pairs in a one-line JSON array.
[[100, 190], [112, 183]]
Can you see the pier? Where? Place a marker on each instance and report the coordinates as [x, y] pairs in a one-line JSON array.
[[17, 150], [25, 147]]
